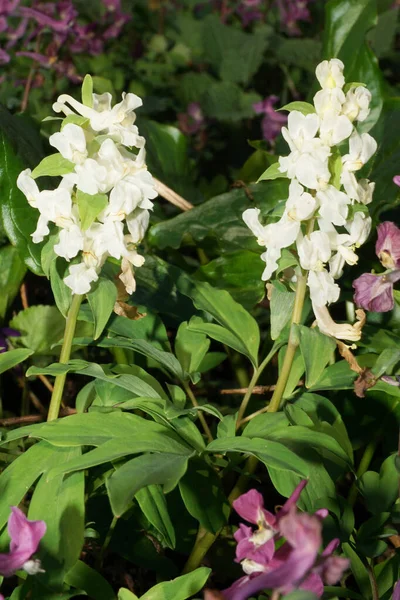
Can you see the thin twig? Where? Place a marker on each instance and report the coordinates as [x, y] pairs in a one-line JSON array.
[[28, 85], [24, 296], [258, 389], [11, 421], [254, 414], [165, 192], [36, 403]]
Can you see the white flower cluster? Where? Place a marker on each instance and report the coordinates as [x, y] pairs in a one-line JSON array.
[[325, 215], [102, 203]]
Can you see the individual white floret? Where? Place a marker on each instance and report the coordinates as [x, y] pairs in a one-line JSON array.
[[361, 148], [356, 106], [330, 73], [323, 289], [71, 143], [333, 205]]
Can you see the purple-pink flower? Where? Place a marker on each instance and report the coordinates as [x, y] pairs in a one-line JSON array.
[[296, 563], [273, 120], [192, 121], [375, 292], [25, 538], [396, 591], [292, 11]]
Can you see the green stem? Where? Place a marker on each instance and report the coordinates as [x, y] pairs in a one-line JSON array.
[[253, 383], [69, 332], [107, 540], [292, 344], [202, 420], [362, 468]]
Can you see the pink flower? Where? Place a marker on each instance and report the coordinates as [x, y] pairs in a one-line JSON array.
[[25, 537], [296, 564], [272, 121], [291, 11], [388, 245], [396, 591], [192, 121], [375, 292]]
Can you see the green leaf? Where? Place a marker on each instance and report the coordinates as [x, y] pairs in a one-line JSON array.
[[335, 167], [296, 371], [21, 474], [87, 91], [203, 497], [163, 469], [39, 339], [83, 577], [272, 454], [61, 292], [261, 425], [272, 172], [133, 383], [304, 107], [239, 273], [220, 218], [359, 571], [190, 348], [12, 273], [336, 377], [10, 359], [167, 157], [281, 305], [53, 166], [236, 55], [304, 53], [20, 148], [166, 359], [346, 25], [227, 102], [300, 595], [181, 588], [296, 437], [153, 504], [102, 298], [317, 350], [90, 206], [125, 594], [386, 361], [227, 313], [61, 503], [380, 490]]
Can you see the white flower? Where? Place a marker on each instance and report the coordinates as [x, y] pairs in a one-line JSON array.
[[323, 289], [314, 250], [330, 73], [70, 242], [130, 259], [130, 193], [361, 148], [137, 223], [71, 143], [345, 244], [91, 178], [335, 128], [333, 205], [28, 187], [271, 256], [329, 101], [340, 331], [118, 120], [300, 205], [308, 160], [360, 191], [356, 106], [80, 277]]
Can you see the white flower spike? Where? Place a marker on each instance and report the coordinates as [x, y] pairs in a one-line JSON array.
[[105, 173]]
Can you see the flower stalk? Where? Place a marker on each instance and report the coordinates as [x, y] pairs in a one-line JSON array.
[[65, 354]]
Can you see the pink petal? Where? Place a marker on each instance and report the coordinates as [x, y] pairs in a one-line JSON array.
[[388, 245], [373, 293]]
